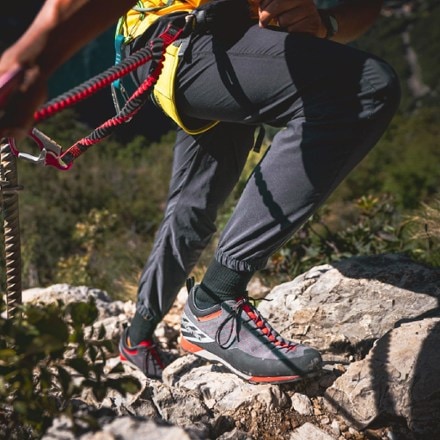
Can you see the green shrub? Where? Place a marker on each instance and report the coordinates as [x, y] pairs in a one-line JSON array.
[[37, 378], [425, 38], [376, 227], [404, 163], [426, 233]]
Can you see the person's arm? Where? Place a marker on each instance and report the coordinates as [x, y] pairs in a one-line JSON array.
[[59, 30], [353, 17]]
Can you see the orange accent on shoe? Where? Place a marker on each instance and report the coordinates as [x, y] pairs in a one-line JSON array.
[[259, 379], [187, 346], [210, 316]]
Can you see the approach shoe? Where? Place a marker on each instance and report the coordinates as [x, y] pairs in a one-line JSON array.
[[235, 334], [144, 356]]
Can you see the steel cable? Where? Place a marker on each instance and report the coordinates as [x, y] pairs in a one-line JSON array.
[[10, 188]]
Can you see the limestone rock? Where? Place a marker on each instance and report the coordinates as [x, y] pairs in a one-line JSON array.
[[221, 390], [345, 306], [375, 319], [129, 428], [400, 378], [302, 404], [67, 294], [308, 432]]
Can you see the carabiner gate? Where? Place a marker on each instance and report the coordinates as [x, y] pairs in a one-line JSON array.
[[50, 151]]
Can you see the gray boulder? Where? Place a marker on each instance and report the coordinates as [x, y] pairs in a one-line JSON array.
[[375, 319]]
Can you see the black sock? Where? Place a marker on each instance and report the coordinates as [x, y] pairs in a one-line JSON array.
[[140, 329], [221, 284]]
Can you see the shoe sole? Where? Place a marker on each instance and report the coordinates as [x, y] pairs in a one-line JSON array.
[[199, 351]]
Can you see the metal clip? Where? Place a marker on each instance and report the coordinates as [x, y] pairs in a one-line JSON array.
[[50, 151]]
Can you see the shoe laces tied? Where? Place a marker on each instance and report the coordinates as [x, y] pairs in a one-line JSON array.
[[234, 332], [264, 328]]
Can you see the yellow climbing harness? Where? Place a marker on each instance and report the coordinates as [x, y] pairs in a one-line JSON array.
[[134, 24], [142, 16], [139, 18], [163, 92]]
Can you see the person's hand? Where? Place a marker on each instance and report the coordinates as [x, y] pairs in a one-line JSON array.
[[59, 30], [27, 94], [293, 16]]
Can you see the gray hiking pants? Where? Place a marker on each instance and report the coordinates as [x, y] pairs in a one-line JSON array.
[[333, 103]]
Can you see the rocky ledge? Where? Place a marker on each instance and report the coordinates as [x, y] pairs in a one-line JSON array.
[[376, 321]]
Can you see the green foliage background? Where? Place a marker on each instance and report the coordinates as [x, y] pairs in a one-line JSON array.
[[49, 354], [96, 220], [95, 224]]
